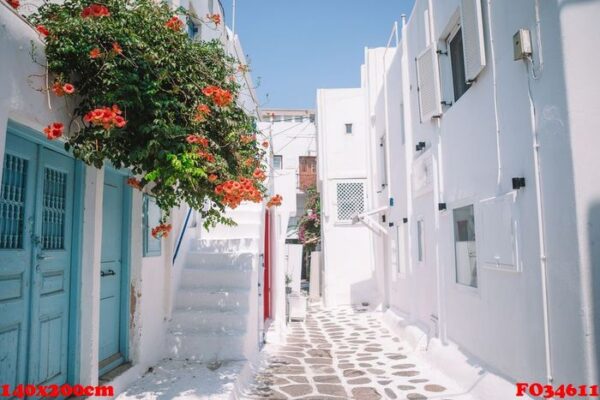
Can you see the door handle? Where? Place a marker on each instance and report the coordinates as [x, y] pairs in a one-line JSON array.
[[107, 273], [43, 257]]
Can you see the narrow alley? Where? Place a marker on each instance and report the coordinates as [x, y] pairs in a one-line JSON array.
[[347, 353]]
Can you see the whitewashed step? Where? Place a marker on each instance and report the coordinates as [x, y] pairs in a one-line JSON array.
[[219, 261], [191, 321], [208, 346], [226, 278], [224, 245], [213, 299]]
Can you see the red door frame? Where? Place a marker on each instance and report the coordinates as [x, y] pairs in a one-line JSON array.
[[267, 273]]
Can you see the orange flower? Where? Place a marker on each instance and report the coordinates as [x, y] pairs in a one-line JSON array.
[[275, 201], [207, 156], [95, 53], [161, 230], [54, 130], [106, 117], [195, 139], [212, 178], [210, 90], [243, 68], [95, 10], [215, 18], [201, 112], [117, 48], [42, 30], [259, 174], [245, 139], [58, 90], [135, 183], [174, 24], [68, 88], [14, 3], [265, 144], [220, 97]]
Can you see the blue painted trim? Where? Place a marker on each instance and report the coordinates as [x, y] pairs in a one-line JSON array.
[[74, 335], [181, 235], [125, 266]]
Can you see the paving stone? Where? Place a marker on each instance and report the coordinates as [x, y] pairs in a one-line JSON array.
[[365, 393], [404, 366], [434, 388], [406, 387], [332, 390], [319, 353], [297, 379], [353, 373], [385, 382], [415, 396], [318, 360], [297, 390], [359, 381], [345, 366], [406, 373], [327, 379], [390, 393], [364, 365], [418, 380]]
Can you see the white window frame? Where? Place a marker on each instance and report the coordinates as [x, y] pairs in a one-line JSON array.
[[421, 247]]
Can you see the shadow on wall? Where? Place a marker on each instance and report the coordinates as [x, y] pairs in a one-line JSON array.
[[594, 246], [365, 292]]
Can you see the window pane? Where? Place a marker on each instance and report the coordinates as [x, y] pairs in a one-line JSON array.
[[464, 246], [348, 128], [277, 162], [457, 60], [421, 240], [152, 214]]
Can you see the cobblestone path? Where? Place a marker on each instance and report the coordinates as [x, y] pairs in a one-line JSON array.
[[346, 353]]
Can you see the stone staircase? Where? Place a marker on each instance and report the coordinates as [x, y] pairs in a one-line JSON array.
[[216, 313]]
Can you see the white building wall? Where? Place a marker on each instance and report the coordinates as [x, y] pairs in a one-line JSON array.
[[153, 280], [349, 273], [472, 153]]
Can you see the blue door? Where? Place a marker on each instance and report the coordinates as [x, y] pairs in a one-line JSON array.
[[113, 273], [36, 218]]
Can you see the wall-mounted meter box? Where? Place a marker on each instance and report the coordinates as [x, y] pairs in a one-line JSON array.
[[522, 44]]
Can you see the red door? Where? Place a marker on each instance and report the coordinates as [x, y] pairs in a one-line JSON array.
[[267, 277]]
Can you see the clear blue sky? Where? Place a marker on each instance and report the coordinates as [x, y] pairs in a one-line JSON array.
[[297, 46]]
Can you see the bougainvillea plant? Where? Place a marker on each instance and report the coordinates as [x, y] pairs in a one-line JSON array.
[[309, 226], [147, 98]]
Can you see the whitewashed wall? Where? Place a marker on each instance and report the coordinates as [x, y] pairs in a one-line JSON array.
[[349, 276], [472, 153]]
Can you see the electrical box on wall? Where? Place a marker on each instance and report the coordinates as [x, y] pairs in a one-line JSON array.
[[522, 44]]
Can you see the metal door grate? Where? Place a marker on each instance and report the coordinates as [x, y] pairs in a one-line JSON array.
[[12, 202], [53, 221]]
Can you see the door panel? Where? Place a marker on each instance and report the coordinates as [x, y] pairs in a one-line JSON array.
[[110, 284], [52, 265], [36, 217], [17, 196]]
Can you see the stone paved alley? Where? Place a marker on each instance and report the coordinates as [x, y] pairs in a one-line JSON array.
[[346, 353]]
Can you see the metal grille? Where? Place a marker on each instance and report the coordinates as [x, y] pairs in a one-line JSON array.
[[12, 202], [53, 222], [350, 200]]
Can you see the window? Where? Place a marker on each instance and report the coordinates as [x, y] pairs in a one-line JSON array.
[[457, 61], [312, 118], [151, 218], [298, 118], [420, 240], [350, 200], [277, 162], [401, 240], [464, 246], [349, 129], [193, 29]]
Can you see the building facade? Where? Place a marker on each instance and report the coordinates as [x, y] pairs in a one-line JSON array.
[[86, 293], [481, 184]]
